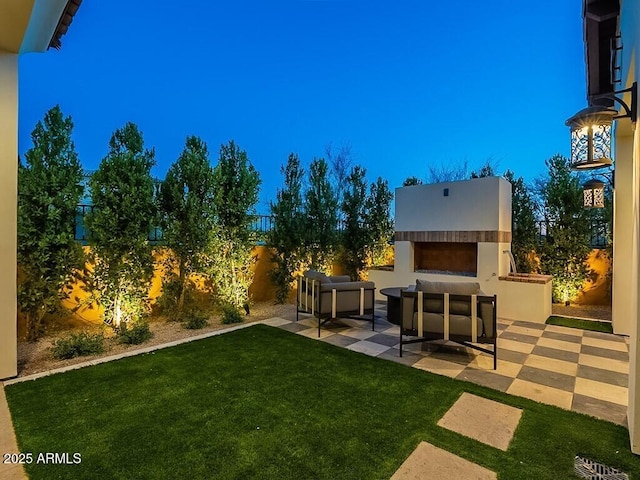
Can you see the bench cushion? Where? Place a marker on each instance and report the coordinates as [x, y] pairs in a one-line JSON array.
[[452, 288]]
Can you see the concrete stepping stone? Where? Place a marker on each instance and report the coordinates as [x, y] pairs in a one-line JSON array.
[[487, 421], [428, 462]]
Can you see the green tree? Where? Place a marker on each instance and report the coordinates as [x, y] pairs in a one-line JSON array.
[[355, 236], [49, 189], [524, 232], [188, 218], [411, 181], [122, 192], [566, 247], [287, 235], [236, 185], [378, 221], [321, 214], [488, 169]]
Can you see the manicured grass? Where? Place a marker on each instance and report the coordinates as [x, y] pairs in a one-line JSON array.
[[581, 324], [264, 403]]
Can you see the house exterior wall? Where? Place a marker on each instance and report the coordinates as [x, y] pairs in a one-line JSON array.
[[8, 212], [629, 162], [25, 26], [623, 270]]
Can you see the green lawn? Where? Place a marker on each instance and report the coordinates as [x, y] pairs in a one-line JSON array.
[[264, 403], [593, 325]]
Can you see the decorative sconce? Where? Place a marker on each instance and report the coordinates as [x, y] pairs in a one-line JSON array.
[[591, 130], [593, 191]]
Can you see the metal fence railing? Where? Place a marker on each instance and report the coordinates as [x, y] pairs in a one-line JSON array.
[[599, 233], [261, 226]]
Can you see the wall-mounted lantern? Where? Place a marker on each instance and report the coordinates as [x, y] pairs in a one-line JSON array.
[[593, 191], [591, 137], [591, 130], [591, 140]]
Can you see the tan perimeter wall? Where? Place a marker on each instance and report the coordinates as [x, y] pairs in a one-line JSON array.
[[261, 290]]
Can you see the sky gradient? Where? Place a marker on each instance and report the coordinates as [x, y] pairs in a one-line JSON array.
[[406, 83]]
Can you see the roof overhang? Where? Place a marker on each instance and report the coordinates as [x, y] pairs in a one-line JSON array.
[[34, 25], [601, 25]]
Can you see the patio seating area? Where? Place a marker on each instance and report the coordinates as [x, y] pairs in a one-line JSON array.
[[577, 370]]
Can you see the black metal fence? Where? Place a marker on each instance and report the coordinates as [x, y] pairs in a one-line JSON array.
[[599, 233], [261, 225], [599, 236]]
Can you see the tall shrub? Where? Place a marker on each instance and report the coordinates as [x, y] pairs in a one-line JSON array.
[[236, 185], [321, 214], [378, 221], [355, 235], [566, 247], [122, 192], [524, 233], [49, 189], [188, 218], [287, 234]]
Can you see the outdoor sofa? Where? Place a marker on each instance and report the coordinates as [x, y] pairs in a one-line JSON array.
[[331, 297], [455, 311]]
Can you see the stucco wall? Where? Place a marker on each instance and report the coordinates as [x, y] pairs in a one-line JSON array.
[[623, 269], [630, 162], [8, 213], [260, 290], [480, 204]]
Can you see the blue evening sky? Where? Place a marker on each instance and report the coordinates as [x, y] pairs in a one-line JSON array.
[[405, 83]]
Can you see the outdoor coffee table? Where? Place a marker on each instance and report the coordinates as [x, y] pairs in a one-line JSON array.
[[393, 304]]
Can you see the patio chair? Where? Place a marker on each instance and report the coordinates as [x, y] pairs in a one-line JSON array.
[[330, 297], [465, 316]]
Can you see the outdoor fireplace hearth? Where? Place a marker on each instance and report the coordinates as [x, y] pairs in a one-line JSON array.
[[457, 231]]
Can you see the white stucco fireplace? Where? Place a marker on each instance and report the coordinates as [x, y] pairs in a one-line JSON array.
[[461, 231]]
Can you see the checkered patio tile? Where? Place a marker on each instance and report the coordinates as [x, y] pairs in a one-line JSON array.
[[574, 369]]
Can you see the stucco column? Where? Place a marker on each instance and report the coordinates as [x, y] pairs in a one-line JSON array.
[[633, 413], [8, 212], [623, 270]]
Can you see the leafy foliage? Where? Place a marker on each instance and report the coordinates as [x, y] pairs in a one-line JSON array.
[[566, 247], [49, 189], [523, 218], [411, 181], [135, 334], [321, 214], [379, 221], [78, 345], [236, 186], [287, 235], [124, 212], [188, 218], [195, 319], [355, 236], [488, 169], [231, 314]]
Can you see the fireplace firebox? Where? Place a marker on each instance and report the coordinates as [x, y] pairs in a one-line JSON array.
[[446, 258]]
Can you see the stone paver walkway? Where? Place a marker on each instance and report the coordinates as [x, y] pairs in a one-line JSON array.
[[428, 462], [484, 420]]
